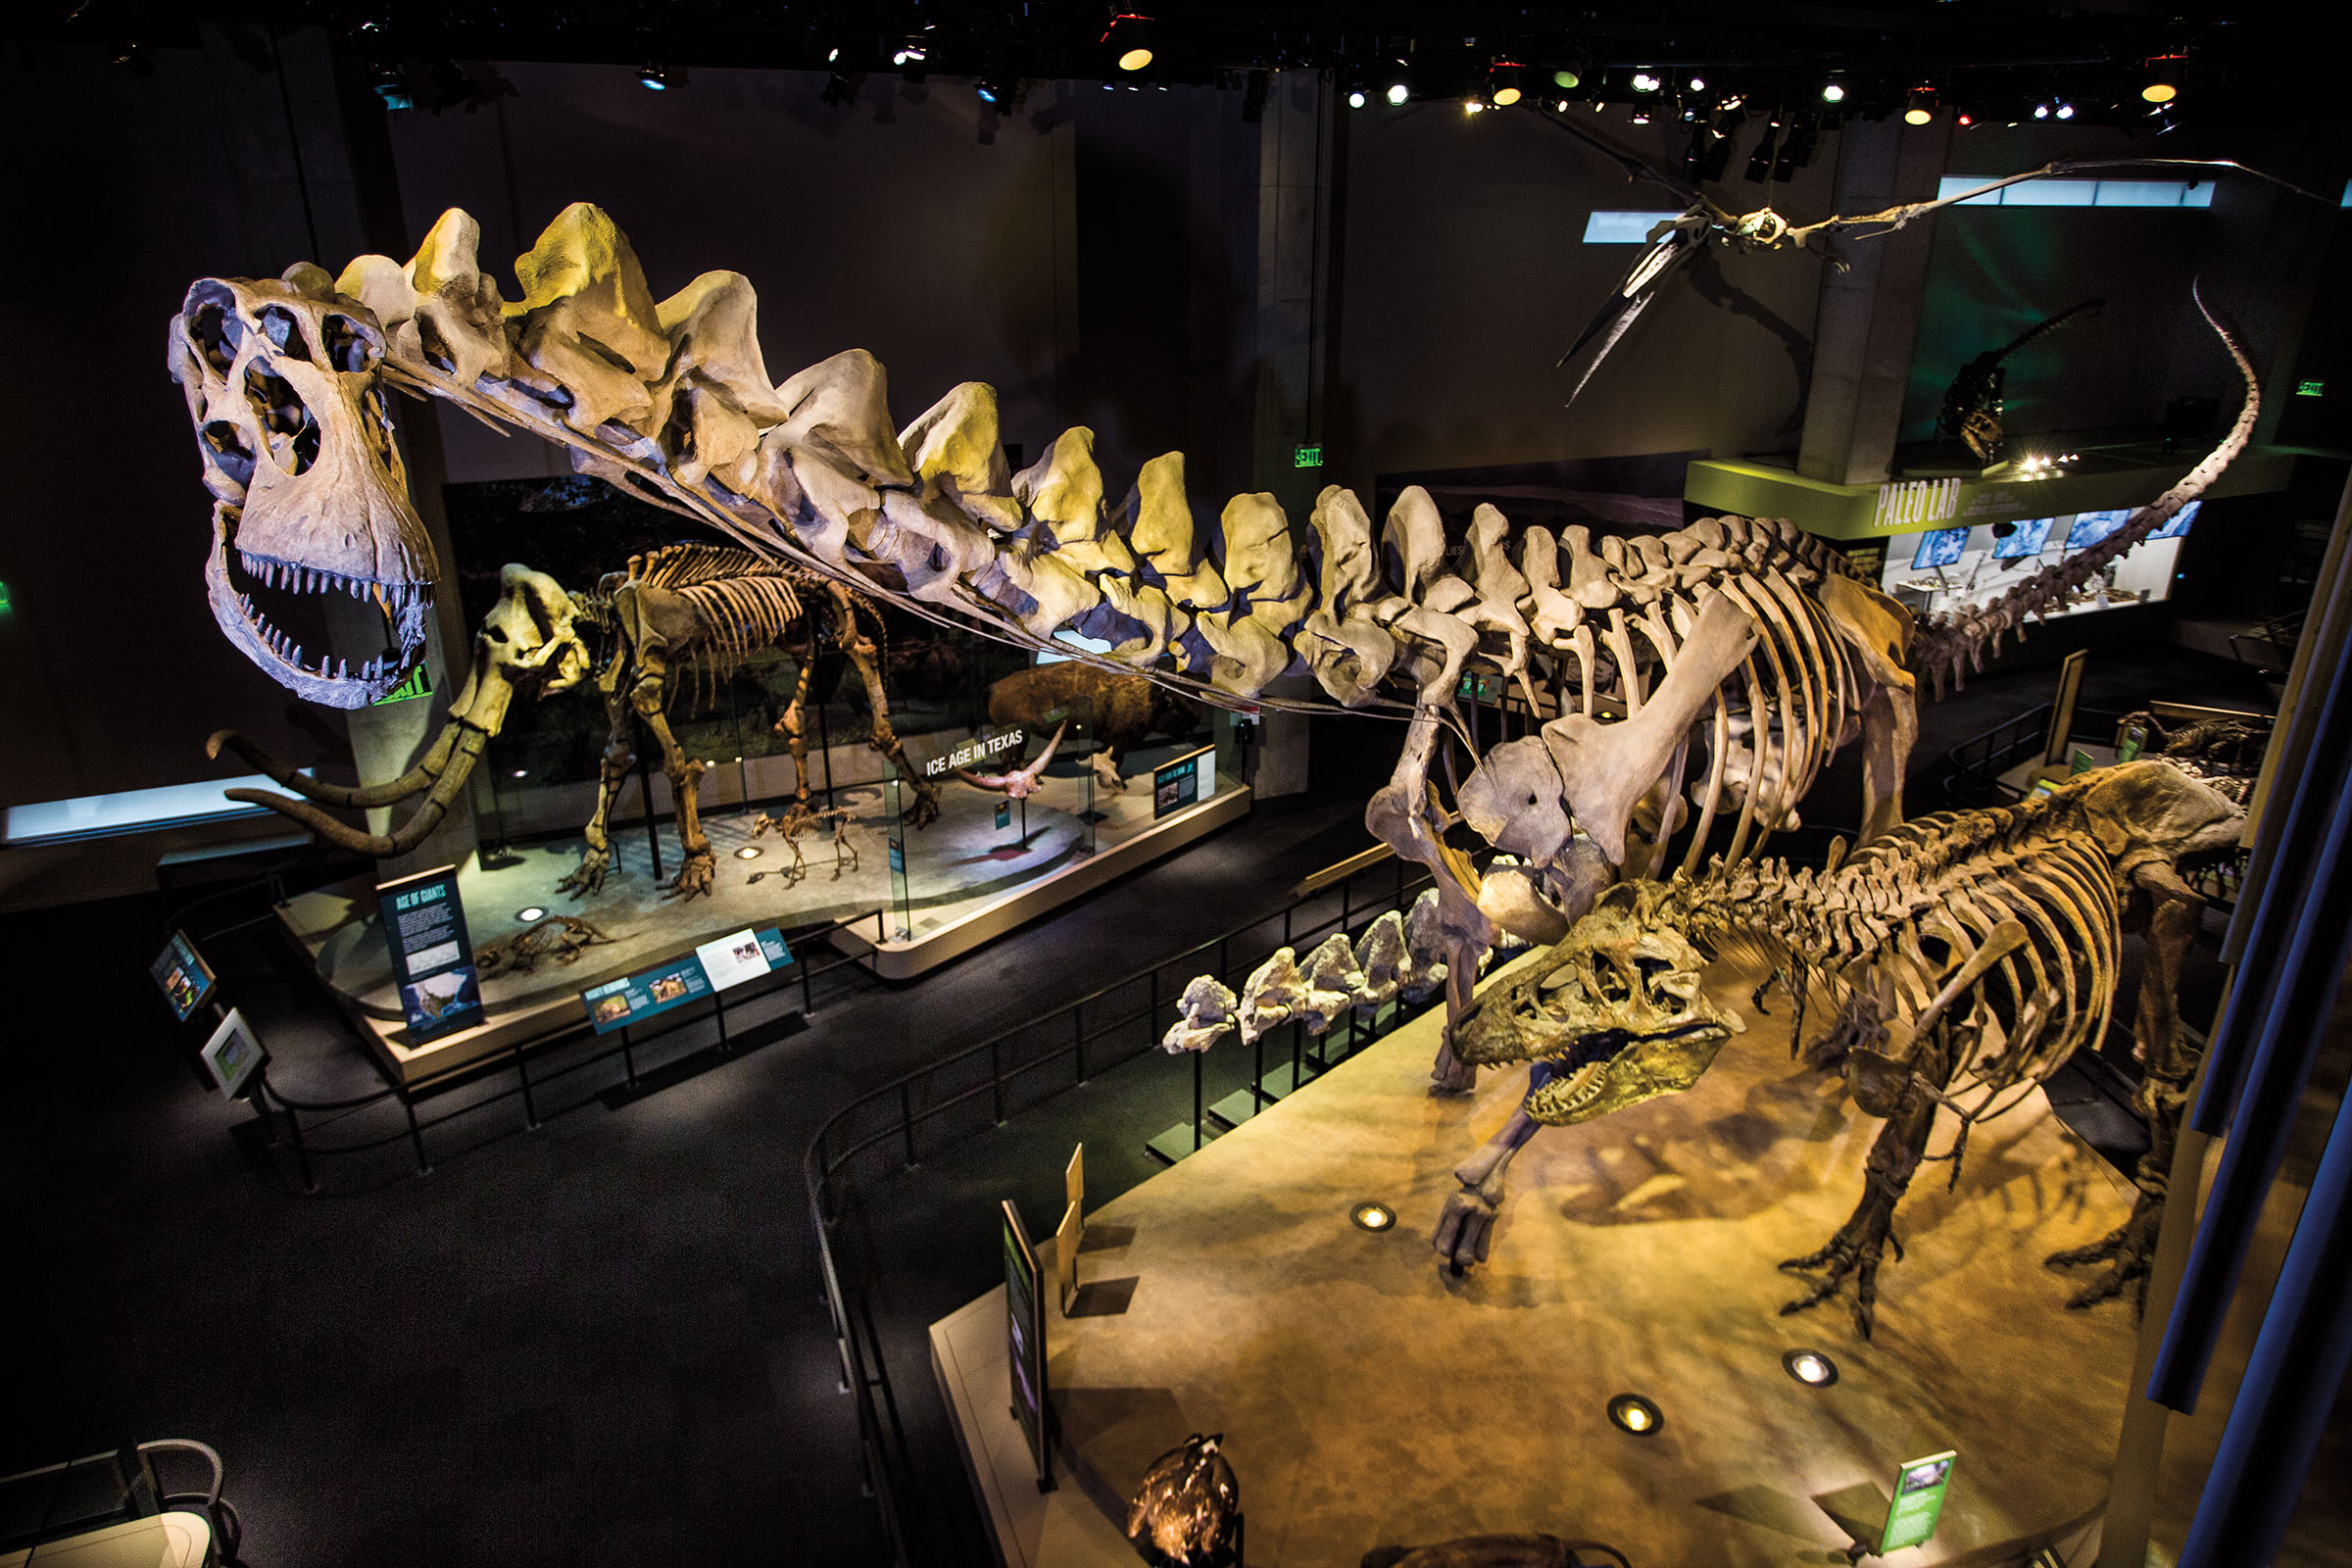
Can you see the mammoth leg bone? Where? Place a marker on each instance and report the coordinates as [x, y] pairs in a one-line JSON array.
[[685, 782], [613, 776], [885, 739]]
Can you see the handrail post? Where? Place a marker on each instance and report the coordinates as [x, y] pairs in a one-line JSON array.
[[807, 1002], [522, 1071], [1198, 1058], [424, 1166], [907, 1119], [1078, 1043], [628, 1057], [302, 1151], [718, 1011], [996, 1075]]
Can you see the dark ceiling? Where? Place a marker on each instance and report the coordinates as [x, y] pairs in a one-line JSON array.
[[1994, 60]]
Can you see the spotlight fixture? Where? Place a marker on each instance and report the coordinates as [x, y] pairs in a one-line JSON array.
[[2042, 111], [1921, 107], [1796, 151], [1833, 91], [523, 772], [2160, 81], [750, 851], [2066, 111], [1568, 78], [391, 84], [1633, 1413], [1641, 114], [1254, 96], [1503, 83], [1397, 93], [1759, 163], [657, 77], [1129, 44], [1372, 1218], [1644, 82], [1964, 121], [1355, 99], [841, 87], [1698, 84], [1810, 1367], [1718, 160], [530, 914]]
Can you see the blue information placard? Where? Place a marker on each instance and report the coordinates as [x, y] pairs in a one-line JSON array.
[[1186, 781], [713, 966], [185, 978], [432, 958]]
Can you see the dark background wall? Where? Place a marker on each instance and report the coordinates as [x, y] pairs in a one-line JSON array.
[[1093, 255]]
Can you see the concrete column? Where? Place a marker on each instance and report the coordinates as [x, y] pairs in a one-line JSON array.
[[1868, 313], [1297, 149], [311, 161]]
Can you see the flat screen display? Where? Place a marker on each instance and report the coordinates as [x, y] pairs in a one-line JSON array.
[[185, 978], [2027, 539], [2179, 523], [2092, 526], [1940, 547]]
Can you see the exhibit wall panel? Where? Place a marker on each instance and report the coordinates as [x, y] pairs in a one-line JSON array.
[[1466, 274]]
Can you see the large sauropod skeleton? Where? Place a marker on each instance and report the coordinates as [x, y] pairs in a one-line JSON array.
[[1962, 959], [1746, 644], [682, 612]]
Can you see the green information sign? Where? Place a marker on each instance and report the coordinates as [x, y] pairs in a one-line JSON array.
[[1918, 1501], [2081, 763], [1003, 814], [1307, 456], [2134, 741]]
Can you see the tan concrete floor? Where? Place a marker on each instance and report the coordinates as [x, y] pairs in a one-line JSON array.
[[1368, 1396]]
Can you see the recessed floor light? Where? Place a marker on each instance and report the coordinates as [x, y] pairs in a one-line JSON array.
[[531, 913], [750, 851], [1635, 1414], [1372, 1216], [1810, 1366]]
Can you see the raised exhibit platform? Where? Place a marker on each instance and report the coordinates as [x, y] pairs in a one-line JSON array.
[[1368, 1396], [966, 881]]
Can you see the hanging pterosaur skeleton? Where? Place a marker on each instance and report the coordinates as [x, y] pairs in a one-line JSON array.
[[1674, 243], [1732, 656]]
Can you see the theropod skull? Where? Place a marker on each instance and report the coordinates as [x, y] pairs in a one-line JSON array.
[[1616, 1013], [310, 495]]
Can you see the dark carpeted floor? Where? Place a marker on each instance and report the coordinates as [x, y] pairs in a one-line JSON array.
[[605, 1341]]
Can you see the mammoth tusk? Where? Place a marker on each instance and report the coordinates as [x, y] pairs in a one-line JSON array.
[[410, 833], [419, 777]]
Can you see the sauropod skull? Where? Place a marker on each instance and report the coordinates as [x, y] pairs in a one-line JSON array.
[[310, 495]]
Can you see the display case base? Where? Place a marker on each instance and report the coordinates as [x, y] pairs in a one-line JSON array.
[[1368, 1395], [935, 935]]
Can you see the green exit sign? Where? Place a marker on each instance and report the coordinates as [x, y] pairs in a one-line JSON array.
[[2311, 389], [414, 686], [5, 606], [1308, 457]]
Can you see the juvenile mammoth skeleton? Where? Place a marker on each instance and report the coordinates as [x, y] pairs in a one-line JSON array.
[[683, 612]]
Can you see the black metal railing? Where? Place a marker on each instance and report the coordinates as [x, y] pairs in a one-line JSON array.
[[921, 1115], [539, 1072], [1977, 762]]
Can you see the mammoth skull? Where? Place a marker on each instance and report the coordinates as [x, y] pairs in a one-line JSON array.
[[1613, 1016], [309, 496]]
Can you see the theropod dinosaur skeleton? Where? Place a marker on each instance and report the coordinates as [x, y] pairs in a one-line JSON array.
[[1750, 643], [680, 611], [1963, 957]]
